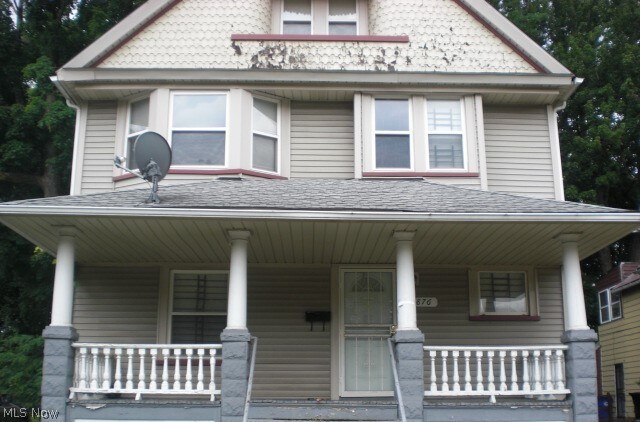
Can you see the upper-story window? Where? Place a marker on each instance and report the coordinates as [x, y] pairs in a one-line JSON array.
[[610, 305], [446, 134], [320, 17], [138, 122], [392, 134], [198, 128], [265, 149]]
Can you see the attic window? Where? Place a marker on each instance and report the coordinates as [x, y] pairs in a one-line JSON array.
[[296, 17]]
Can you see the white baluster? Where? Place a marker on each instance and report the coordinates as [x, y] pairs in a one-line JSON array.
[[176, 374], [490, 377], [479, 378], [94, 369], [445, 376], [548, 384], [82, 383], [525, 371], [200, 385], [117, 385], [456, 376], [514, 371], [537, 385], [106, 375], [559, 371], [503, 371], [212, 369], [129, 384], [165, 369], [467, 371], [153, 385], [434, 385], [141, 374], [188, 385]]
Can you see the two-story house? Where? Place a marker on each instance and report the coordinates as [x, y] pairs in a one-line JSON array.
[[363, 220], [619, 335]]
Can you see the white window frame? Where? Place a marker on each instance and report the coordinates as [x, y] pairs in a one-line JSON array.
[[463, 132], [171, 313], [531, 289], [224, 129], [128, 135], [609, 306], [269, 135], [344, 20], [392, 132], [313, 14]]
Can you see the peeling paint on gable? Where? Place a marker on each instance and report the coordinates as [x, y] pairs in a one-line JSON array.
[[443, 38]]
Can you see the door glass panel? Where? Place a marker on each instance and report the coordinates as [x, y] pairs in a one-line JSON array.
[[368, 315]]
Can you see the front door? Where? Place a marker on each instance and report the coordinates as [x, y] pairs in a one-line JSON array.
[[367, 303]]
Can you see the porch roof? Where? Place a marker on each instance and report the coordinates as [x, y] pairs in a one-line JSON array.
[[317, 222]]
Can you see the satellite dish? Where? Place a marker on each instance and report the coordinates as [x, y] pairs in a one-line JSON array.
[[153, 155]]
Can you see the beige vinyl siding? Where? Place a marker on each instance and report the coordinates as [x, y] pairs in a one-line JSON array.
[[619, 343], [518, 149], [99, 147], [322, 140], [448, 323], [116, 304], [292, 360]]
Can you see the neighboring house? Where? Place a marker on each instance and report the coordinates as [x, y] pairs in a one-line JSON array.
[[619, 333], [343, 172]]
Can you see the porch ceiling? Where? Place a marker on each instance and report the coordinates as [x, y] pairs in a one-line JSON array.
[[180, 240], [317, 221]]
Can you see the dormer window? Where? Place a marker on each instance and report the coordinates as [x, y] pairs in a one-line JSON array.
[[198, 128], [138, 123]]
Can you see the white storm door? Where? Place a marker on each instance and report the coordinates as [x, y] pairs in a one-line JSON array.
[[367, 316]]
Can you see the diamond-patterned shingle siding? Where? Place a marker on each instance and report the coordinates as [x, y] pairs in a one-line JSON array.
[[197, 34]]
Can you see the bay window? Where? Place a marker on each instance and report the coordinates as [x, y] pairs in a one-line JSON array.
[[198, 128], [137, 123], [265, 149], [392, 134]]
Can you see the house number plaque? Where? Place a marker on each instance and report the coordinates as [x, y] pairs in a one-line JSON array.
[[426, 302]]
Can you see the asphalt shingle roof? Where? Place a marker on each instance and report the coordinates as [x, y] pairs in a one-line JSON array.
[[395, 195]]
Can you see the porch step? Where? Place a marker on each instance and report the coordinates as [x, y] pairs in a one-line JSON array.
[[292, 411]]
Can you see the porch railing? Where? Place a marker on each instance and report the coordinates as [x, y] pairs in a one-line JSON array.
[[146, 369], [537, 371]]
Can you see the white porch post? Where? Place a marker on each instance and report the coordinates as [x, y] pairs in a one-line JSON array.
[[237, 305], [62, 307], [406, 283], [575, 316]]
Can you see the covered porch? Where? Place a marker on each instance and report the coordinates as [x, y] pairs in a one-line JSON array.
[[293, 278]]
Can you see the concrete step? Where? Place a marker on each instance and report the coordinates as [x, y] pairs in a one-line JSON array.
[[291, 411]]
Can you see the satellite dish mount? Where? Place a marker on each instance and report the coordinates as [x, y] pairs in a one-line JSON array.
[[152, 155]]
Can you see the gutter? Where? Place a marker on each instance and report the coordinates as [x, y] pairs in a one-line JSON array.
[[267, 214]]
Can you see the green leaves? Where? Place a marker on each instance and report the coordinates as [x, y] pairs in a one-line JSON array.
[[21, 368]]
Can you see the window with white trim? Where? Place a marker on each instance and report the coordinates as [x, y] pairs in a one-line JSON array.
[[137, 123], [266, 135], [320, 17], [445, 134], [198, 311], [198, 128], [503, 292], [610, 306], [392, 134]]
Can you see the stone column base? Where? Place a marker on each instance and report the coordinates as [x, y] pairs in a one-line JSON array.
[[409, 360], [582, 373], [57, 368], [235, 373]]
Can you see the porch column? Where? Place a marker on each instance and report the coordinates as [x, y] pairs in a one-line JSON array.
[[409, 340], [581, 340], [58, 362], [235, 337]]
